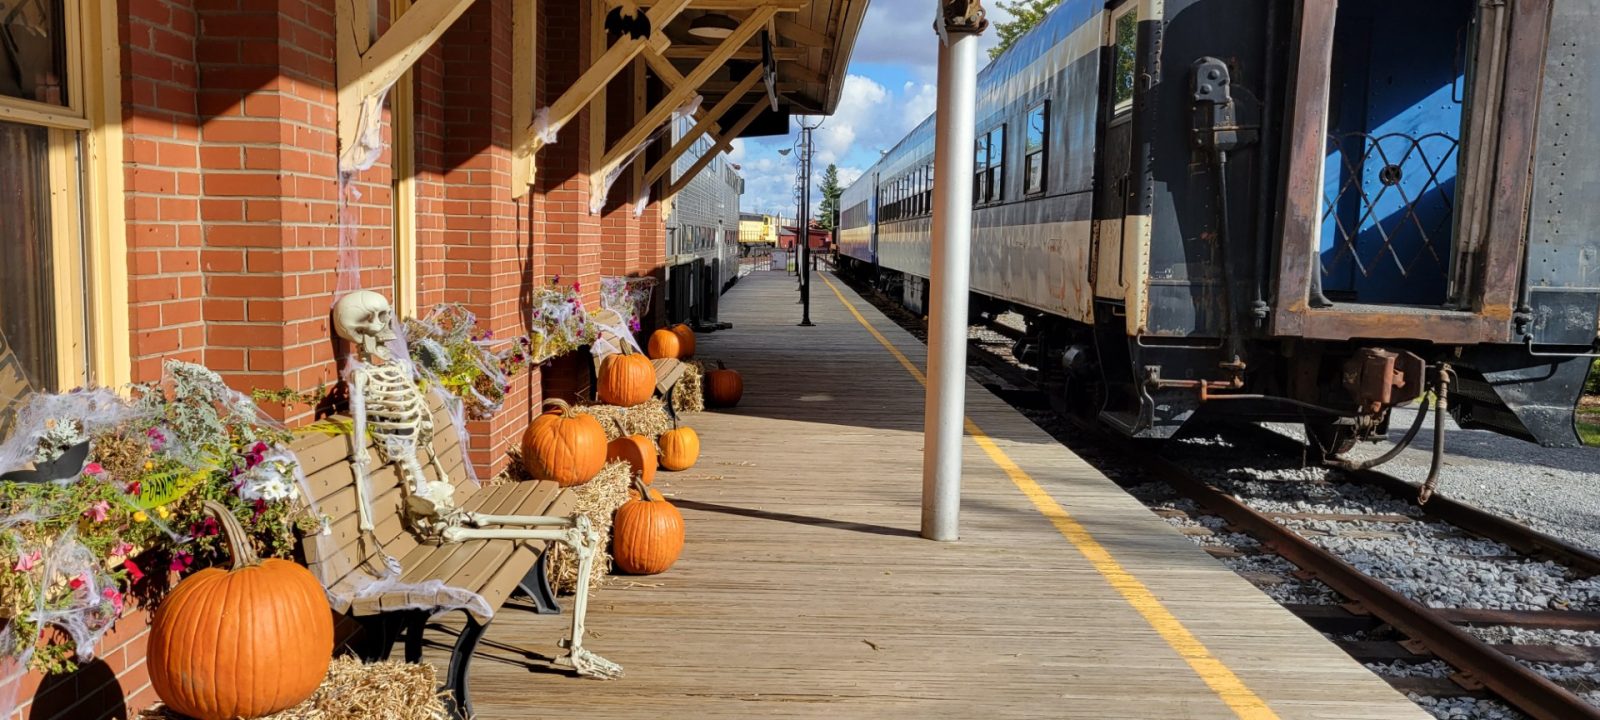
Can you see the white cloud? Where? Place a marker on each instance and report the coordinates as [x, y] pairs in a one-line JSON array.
[[860, 112], [900, 32], [920, 101]]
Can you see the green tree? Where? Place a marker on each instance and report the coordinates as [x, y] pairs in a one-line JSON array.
[[1025, 14], [828, 211]]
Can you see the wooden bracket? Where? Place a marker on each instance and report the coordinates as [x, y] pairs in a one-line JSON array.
[[707, 121], [367, 66], [721, 147], [680, 93], [524, 90]]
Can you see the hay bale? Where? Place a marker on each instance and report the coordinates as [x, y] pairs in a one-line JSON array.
[[648, 419], [689, 395], [598, 500], [357, 691]]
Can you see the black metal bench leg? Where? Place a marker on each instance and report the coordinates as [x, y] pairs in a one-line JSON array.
[[460, 659], [536, 585], [416, 622], [377, 637]]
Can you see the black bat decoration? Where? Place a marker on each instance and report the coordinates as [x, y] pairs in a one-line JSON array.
[[628, 19], [70, 464]]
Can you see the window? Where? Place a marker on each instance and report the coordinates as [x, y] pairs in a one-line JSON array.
[[61, 204], [1124, 43], [989, 167], [1033, 161]]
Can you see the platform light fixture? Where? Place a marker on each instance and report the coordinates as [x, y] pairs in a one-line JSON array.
[[713, 26]]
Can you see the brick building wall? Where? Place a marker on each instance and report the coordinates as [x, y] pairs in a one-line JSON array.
[[234, 222]]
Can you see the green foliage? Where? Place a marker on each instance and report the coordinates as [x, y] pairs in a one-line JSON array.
[[1025, 15], [828, 211], [1592, 386]]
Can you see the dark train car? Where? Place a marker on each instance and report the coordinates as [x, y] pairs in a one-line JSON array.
[[1293, 210]]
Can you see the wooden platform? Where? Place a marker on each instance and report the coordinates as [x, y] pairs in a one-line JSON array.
[[805, 592]]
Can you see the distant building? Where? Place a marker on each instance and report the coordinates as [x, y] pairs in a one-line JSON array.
[[758, 230]]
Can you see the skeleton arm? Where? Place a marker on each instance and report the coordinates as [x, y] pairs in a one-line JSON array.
[[358, 446]]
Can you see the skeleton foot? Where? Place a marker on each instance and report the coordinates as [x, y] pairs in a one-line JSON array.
[[590, 665]]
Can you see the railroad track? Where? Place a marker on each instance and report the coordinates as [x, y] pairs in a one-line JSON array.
[[1450, 653]]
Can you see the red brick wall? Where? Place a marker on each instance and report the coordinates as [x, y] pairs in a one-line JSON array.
[[234, 222]]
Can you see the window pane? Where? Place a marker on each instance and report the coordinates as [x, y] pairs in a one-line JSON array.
[[1035, 172], [1122, 78], [981, 160], [33, 50], [1036, 129], [27, 313], [997, 145]]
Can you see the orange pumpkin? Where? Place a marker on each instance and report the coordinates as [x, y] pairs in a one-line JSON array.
[[626, 379], [646, 533], [564, 446], [243, 642], [723, 387], [664, 344], [685, 340], [680, 447], [637, 451]]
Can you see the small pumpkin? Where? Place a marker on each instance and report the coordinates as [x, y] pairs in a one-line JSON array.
[[646, 533], [626, 379], [638, 452], [680, 448], [243, 642], [664, 344], [723, 387], [564, 446], [685, 340]]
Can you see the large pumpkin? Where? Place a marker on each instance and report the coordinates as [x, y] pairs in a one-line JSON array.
[[664, 344], [680, 447], [646, 533], [723, 387], [685, 340], [244, 642], [637, 451], [564, 446], [626, 379]]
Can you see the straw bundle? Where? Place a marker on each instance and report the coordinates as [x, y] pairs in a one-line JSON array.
[[597, 499], [689, 394], [649, 419], [357, 691]]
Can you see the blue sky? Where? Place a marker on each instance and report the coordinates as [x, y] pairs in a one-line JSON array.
[[889, 90]]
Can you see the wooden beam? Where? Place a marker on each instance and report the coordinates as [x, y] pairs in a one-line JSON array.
[[748, 54], [597, 106], [801, 72], [802, 34], [706, 124], [779, 5], [721, 147], [524, 90], [367, 68], [681, 92], [615, 59]]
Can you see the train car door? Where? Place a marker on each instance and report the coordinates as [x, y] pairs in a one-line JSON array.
[[1114, 164]]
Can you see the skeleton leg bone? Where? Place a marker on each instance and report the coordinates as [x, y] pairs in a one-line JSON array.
[[576, 533]]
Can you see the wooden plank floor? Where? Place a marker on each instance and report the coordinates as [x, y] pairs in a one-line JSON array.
[[805, 592]]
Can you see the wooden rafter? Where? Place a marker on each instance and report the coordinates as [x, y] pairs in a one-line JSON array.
[[616, 58], [708, 121], [802, 34], [721, 147], [749, 54], [779, 5], [680, 93], [524, 54], [367, 65]]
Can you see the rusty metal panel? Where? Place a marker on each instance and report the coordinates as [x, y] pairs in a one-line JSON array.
[[1563, 258]]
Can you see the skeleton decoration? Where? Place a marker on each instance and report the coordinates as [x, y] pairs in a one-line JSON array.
[[385, 401]]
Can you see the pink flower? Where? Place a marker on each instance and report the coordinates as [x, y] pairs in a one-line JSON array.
[[98, 511], [158, 439], [115, 596], [134, 573], [181, 561], [577, 287], [26, 561], [93, 469], [77, 583], [134, 487], [121, 549]]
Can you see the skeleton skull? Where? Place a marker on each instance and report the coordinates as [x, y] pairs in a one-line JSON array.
[[362, 317]]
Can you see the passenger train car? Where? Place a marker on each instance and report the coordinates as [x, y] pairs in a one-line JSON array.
[[702, 234], [1290, 210]]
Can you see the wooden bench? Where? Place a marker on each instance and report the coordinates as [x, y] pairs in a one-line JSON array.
[[492, 570]]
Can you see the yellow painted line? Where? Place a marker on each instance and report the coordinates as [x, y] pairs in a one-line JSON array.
[[1233, 692]]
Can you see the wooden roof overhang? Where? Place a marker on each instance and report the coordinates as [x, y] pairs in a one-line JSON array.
[[782, 57]]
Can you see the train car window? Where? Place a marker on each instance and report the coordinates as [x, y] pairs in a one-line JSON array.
[[1033, 160], [980, 170], [995, 183], [1125, 43], [930, 189]]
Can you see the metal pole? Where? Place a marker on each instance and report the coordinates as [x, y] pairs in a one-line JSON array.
[[945, 411], [805, 229]]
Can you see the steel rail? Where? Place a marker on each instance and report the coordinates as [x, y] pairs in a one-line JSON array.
[[1527, 690]]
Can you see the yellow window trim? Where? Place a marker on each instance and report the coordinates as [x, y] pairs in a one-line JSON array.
[[402, 129]]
